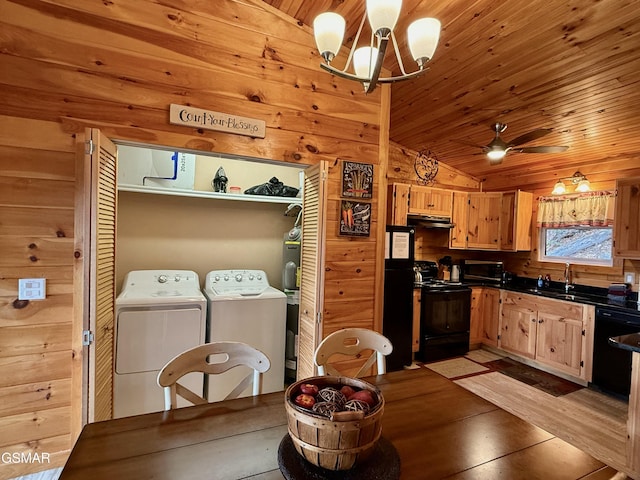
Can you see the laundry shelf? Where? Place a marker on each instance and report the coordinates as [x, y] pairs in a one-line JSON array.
[[181, 192]]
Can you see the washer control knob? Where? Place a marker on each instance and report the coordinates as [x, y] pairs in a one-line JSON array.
[[162, 278], [251, 276], [259, 277], [238, 277], [177, 278], [216, 278], [226, 278]]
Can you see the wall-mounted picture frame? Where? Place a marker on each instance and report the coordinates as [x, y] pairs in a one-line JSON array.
[[357, 180], [355, 218]]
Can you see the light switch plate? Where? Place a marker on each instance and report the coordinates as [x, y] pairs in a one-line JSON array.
[[630, 277], [32, 288]]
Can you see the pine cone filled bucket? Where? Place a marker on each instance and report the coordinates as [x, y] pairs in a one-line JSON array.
[[334, 422]]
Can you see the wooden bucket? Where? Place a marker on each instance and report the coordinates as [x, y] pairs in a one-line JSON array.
[[333, 444]]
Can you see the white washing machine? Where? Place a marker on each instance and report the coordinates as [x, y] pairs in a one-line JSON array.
[[158, 314], [243, 307]]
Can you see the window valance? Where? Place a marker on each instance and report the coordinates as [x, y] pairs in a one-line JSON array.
[[593, 209]]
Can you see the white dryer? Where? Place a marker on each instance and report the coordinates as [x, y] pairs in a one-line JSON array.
[[158, 314], [243, 307]]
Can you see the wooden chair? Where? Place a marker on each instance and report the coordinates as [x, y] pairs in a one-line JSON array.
[[353, 341], [197, 359]]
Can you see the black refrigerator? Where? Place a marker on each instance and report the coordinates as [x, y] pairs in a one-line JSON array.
[[397, 320]]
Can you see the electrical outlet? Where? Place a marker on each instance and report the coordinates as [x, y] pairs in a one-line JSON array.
[[630, 277], [32, 288]]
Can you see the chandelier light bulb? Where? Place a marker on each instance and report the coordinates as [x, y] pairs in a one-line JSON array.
[[383, 15], [422, 37], [583, 186], [328, 30]]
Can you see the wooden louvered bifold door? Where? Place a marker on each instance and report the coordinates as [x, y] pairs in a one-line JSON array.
[[102, 275], [311, 271]]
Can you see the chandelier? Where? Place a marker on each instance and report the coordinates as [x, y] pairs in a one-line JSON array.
[[422, 38]]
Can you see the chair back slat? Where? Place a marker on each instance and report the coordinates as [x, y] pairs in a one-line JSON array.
[[212, 359], [353, 342]]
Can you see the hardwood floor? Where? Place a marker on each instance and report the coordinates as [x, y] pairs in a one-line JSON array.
[[590, 421]]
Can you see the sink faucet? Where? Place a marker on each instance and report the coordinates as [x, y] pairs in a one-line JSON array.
[[567, 277]]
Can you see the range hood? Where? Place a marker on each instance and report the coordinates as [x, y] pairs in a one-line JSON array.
[[429, 221]]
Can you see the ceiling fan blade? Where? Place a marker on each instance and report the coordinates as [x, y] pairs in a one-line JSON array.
[[541, 149], [528, 137]]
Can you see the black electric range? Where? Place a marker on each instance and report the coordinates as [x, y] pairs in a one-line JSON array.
[[445, 315]]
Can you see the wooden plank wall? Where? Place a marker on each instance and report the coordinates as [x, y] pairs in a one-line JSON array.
[[117, 66], [37, 179]]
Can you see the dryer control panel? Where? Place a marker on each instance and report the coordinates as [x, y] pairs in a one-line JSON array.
[[237, 282]]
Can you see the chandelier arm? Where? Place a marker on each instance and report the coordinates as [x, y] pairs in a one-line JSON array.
[[375, 75], [397, 50], [350, 76], [355, 42]]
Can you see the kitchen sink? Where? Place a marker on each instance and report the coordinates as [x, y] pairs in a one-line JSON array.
[[558, 295]]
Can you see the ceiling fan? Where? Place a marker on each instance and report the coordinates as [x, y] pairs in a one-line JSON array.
[[498, 148]]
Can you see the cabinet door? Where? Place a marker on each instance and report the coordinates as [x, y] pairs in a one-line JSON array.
[[476, 327], [441, 202], [430, 201], [518, 328], [484, 221], [398, 204], [560, 342], [459, 214], [627, 220], [515, 221], [417, 295], [490, 316]]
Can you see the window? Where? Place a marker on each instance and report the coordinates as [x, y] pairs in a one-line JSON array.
[[583, 245], [577, 228]]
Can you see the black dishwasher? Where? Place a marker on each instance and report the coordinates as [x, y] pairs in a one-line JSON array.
[[611, 365]]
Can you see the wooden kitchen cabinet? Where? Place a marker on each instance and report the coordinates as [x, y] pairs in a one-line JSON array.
[[398, 204], [626, 228], [555, 333], [518, 325], [430, 201], [417, 298], [483, 221], [515, 221], [459, 218], [485, 316]]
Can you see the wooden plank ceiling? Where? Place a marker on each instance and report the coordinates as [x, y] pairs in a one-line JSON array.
[[569, 65]]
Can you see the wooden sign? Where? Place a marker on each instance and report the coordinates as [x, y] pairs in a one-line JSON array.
[[222, 122]]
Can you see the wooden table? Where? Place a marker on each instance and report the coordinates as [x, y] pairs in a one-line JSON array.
[[438, 428]]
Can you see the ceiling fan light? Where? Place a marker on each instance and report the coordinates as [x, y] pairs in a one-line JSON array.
[[559, 188], [496, 154], [423, 36], [583, 186], [328, 30], [383, 15]]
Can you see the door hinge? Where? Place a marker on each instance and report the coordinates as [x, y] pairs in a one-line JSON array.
[[584, 333], [87, 337], [582, 363], [89, 147], [319, 318]]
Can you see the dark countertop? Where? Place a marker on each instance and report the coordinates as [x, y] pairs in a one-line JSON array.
[[627, 342], [579, 294]]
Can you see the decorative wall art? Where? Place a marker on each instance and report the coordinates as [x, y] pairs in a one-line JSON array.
[[357, 180], [355, 218], [426, 167]]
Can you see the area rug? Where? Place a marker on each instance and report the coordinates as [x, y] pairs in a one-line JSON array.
[[482, 356], [456, 367], [539, 379]]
